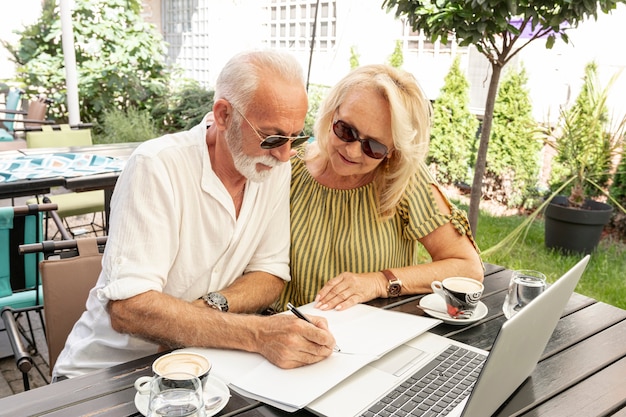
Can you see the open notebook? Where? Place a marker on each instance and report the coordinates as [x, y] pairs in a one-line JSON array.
[[363, 333]]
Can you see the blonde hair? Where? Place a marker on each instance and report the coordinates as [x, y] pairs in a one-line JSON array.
[[410, 127]]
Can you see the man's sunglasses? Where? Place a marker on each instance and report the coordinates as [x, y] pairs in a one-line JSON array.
[[370, 147], [275, 141]]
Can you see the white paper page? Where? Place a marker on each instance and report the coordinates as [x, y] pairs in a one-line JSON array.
[[363, 333], [292, 389], [368, 330], [229, 364]]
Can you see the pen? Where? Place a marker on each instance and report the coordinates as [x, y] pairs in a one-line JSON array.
[[299, 315]]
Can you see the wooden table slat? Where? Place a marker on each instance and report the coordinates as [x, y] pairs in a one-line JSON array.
[[599, 395], [557, 373], [582, 324]]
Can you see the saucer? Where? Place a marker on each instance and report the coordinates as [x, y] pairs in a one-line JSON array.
[[435, 302], [213, 387]]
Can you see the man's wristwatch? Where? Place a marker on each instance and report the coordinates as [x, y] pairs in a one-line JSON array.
[[394, 287], [216, 300]]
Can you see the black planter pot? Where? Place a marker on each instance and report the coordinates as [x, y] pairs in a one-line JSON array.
[[575, 230]]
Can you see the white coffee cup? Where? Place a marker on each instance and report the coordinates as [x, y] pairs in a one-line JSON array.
[[184, 363], [461, 295]]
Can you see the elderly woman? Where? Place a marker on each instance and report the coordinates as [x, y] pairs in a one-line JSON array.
[[362, 199]]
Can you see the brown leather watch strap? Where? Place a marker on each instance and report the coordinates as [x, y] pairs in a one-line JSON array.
[[394, 284]]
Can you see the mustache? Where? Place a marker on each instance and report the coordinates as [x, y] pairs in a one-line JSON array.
[[267, 160]]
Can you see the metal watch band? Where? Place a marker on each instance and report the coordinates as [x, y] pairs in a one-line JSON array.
[[216, 300]]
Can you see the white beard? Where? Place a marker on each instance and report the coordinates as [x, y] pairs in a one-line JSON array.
[[246, 165]]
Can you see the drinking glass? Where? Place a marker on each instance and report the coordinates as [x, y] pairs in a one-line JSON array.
[[525, 286], [176, 394]]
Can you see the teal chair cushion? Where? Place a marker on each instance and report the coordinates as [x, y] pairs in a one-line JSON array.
[[19, 273]]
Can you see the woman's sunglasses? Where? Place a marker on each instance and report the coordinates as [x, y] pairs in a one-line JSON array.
[[275, 141], [370, 147]]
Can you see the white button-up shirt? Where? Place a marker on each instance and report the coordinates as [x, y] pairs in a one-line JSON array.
[[174, 229]]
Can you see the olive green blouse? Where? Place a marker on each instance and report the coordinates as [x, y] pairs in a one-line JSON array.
[[333, 231]]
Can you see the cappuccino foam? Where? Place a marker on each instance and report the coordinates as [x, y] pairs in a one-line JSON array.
[[462, 286], [182, 362]]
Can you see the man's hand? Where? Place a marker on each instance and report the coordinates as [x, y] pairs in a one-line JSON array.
[[348, 289], [289, 342]]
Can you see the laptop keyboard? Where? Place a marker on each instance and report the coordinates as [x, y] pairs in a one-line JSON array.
[[435, 389]]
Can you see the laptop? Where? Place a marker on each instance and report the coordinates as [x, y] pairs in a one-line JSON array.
[[494, 375]]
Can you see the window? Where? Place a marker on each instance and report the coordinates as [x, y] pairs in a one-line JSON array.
[[416, 41], [185, 29], [299, 17]]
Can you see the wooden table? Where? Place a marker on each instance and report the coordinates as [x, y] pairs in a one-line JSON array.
[[582, 371]]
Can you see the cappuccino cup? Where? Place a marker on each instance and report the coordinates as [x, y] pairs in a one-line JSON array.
[[177, 366], [460, 294]]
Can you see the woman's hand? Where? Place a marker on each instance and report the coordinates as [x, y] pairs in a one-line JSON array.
[[348, 289]]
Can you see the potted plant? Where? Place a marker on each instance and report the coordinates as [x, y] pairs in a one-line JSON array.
[[588, 143]]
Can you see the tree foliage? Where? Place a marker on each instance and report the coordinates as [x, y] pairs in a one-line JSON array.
[[489, 25], [120, 59], [514, 151], [454, 128], [183, 106]]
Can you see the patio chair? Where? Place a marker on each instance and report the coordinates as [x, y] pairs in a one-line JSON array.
[[34, 117], [68, 273], [12, 100], [20, 287], [71, 203]]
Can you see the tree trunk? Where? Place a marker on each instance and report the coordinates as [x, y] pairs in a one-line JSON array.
[[481, 157]]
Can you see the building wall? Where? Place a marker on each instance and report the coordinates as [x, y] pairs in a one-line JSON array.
[[554, 74], [219, 28]]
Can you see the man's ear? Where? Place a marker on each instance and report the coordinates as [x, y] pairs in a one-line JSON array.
[[222, 111]]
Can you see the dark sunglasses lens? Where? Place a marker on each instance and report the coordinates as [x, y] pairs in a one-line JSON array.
[[344, 131], [299, 141], [374, 149], [370, 147], [272, 142]]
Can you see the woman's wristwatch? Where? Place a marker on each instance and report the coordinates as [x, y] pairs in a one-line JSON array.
[[394, 286]]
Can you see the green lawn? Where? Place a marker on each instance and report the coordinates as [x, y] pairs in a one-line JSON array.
[[604, 279]]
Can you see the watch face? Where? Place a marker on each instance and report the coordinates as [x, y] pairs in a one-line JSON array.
[[218, 300], [394, 289]]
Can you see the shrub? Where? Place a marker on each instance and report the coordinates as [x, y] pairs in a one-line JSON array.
[[396, 59], [512, 170], [454, 129], [317, 93], [585, 141], [618, 192], [183, 106], [130, 125], [354, 57]]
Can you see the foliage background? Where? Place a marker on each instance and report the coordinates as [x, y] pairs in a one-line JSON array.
[[512, 170], [453, 130], [120, 58]]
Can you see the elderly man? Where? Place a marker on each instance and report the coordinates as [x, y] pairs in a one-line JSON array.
[[199, 233]]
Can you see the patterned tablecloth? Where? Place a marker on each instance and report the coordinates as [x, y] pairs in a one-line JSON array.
[[57, 165]]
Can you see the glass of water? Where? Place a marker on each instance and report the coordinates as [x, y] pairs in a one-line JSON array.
[[176, 394], [525, 286]]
